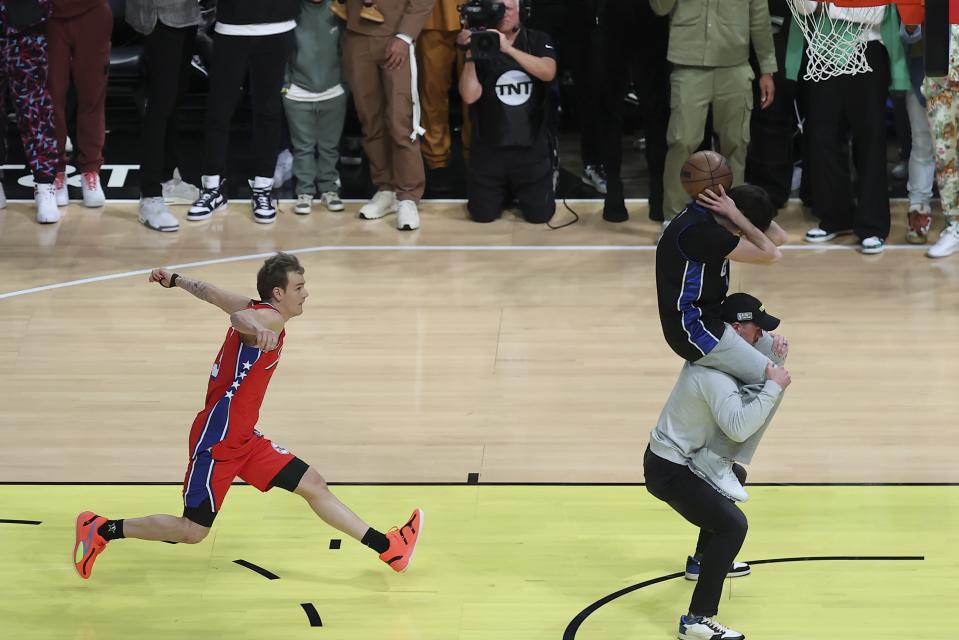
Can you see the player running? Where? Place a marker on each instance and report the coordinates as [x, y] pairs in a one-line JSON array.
[[223, 442]]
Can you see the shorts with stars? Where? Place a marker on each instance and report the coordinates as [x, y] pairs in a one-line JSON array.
[[259, 462]]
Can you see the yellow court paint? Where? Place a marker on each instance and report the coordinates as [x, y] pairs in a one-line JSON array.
[[495, 563]]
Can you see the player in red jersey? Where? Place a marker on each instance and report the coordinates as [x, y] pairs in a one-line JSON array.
[[223, 442]]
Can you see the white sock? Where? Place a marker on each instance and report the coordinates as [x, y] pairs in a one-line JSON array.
[[259, 182], [211, 182]]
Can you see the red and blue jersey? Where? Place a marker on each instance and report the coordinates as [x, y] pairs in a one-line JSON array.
[[238, 382]]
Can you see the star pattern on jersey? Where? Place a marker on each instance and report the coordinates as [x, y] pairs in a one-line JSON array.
[[229, 395], [243, 375], [246, 366], [236, 384]]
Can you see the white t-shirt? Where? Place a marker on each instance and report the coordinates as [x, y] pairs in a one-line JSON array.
[[262, 29]]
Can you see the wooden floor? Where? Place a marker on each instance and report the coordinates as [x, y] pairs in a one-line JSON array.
[[516, 352]]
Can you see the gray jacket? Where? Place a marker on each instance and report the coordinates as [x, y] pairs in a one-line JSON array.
[[143, 15], [711, 419]]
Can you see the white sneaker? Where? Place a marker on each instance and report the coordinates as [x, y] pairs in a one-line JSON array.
[[407, 217], [381, 204], [176, 191], [3, 197], [703, 628], [304, 204], [331, 200], [595, 177], [45, 196], [871, 245], [92, 192], [817, 234], [155, 214], [60, 185], [948, 242]]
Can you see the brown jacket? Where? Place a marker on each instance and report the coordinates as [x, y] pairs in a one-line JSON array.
[[402, 16]]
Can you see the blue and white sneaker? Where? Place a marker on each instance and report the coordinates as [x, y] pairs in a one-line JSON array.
[[738, 570], [703, 628]]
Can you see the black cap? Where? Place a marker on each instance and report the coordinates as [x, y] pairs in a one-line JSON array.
[[742, 307]]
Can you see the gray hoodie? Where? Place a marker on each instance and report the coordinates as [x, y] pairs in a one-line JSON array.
[[711, 419]]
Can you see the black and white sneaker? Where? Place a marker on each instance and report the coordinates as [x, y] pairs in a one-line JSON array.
[[703, 628], [210, 201], [264, 211]]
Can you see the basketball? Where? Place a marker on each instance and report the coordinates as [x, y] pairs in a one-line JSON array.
[[705, 170]]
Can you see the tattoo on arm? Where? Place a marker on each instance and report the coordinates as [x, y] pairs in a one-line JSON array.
[[200, 289]]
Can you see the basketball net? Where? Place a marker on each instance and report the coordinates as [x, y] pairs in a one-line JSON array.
[[835, 46]]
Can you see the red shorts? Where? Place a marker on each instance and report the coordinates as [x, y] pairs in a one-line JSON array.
[[208, 479]]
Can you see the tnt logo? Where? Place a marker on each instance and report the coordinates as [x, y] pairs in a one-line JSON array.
[[514, 88]]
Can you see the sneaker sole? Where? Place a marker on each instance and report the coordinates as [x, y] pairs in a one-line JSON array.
[[150, 226], [365, 215], [205, 216], [870, 252], [917, 239], [419, 535], [694, 577], [302, 213], [178, 201], [334, 209], [827, 237], [262, 220]]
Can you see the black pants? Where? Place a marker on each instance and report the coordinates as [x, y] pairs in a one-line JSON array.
[[631, 30], [837, 107], [167, 54], [265, 58], [497, 175], [723, 526], [769, 160]]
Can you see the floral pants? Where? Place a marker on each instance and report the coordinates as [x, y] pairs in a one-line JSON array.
[[942, 105], [23, 67]]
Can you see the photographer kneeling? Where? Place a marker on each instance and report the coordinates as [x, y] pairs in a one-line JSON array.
[[510, 151]]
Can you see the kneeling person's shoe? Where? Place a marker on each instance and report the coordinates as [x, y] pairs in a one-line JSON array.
[[403, 542], [703, 628]]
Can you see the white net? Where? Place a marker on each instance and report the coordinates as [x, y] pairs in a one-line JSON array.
[[836, 37]]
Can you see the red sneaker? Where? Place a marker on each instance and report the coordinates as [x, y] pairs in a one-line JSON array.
[[403, 543], [93, 543]]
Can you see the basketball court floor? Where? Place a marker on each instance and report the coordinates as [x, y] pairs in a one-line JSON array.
[[504, 378]]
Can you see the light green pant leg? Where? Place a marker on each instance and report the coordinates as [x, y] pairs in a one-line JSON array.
[[691, 90], [328, 125], [300, 116], [732, 109]]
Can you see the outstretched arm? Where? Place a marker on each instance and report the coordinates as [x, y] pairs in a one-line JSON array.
[[229, 302]]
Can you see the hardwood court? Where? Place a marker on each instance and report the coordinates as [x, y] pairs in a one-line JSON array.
[[518, 353]]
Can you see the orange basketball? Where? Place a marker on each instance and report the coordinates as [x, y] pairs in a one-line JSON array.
[[705, 170]]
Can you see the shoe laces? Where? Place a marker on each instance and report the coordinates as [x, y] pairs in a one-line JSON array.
[[304, 198], [90, 180], [713, 624], [207, 196], [261, 198], [331, 196]]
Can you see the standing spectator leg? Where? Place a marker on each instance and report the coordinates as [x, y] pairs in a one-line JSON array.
[[732, 109], [691, 91]]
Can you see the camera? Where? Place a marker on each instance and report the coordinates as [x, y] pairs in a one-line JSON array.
[[480, 16]]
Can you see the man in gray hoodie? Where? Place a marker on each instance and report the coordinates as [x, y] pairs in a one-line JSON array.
[[710, 422]]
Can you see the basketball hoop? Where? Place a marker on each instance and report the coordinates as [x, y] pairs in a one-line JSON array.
[[836, 35]]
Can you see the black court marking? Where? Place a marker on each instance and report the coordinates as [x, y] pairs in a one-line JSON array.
[[335, 543], [311, 614], [472, 478], [6, 521], [260, 570], [575, 623]]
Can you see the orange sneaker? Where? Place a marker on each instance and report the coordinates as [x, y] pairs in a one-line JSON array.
[[403, 543], [93, 543]]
